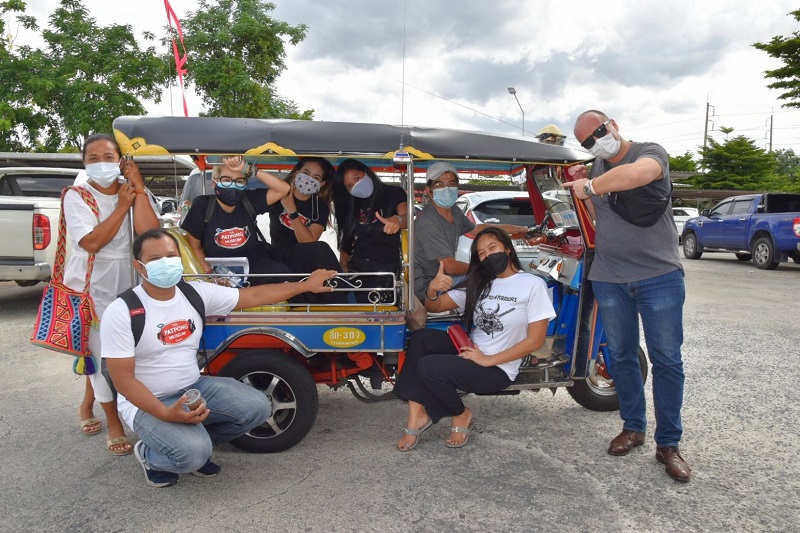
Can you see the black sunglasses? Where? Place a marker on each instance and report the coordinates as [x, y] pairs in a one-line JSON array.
[[601, 131]]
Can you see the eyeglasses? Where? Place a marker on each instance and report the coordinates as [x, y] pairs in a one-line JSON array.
[[442, 184], [601, 131], [227, 181]]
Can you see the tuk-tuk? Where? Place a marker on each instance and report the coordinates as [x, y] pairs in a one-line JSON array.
[[287, 349]]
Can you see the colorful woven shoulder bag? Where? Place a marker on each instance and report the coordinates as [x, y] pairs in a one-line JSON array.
[[65, 315]]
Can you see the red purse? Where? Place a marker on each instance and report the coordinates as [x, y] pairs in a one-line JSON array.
[[65, 315], [459, 337]]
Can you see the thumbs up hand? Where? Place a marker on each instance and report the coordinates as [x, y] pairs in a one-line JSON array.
[[442, 282], [391, 225]]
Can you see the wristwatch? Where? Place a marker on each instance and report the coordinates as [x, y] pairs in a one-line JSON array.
[[293, 215], [588, 190]]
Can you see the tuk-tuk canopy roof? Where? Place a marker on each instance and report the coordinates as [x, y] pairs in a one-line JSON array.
[[278, 139]]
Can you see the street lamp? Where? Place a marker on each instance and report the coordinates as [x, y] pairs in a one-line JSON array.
[[512, 91]]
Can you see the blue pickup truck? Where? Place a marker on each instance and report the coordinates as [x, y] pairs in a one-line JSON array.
[[761, 227]]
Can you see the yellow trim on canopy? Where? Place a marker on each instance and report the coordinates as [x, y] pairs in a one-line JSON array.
[[410, 150], [137, 145], [270, 147]]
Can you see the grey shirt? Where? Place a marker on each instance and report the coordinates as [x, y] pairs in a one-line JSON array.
[[435, 238], [624, 252]]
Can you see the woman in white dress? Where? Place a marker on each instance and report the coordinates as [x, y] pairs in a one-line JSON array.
[[108, 236]]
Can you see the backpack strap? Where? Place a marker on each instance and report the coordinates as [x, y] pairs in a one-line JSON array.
[[194, 298], [209, 207], [137, 311]]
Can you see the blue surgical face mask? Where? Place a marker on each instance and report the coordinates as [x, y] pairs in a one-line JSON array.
[[445, 197], [165, 272], [363, 188], [104, 174]]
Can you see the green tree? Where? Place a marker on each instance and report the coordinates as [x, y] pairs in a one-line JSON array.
[[736, 164], [236, 53], [787, 77], [787, 171], [98, 73], [683, 163], [84, 77], [20, 120]]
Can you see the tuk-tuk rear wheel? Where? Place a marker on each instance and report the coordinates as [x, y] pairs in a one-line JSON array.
[[598, 393], [291, 391]]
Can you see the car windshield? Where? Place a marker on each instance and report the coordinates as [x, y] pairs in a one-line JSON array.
[[43, 185], [516, 211]]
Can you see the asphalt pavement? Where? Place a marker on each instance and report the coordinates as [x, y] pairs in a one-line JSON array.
[[537, 462]]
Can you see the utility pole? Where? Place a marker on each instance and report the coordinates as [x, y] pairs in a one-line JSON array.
[[705, 134], [771, 115]]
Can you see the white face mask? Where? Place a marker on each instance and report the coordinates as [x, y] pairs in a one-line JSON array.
[[104, 174], [606, 146]]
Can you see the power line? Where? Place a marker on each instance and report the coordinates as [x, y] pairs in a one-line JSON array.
[[459, 104]]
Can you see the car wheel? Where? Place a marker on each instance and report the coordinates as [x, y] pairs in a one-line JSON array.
[[744, 257], [290, 389], [691, 248], [597, 391], [764, 254]]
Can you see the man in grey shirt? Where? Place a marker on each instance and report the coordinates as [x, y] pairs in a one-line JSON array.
[[636, 271], [438, 227]]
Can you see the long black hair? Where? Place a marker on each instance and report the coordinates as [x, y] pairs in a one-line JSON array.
[[479, 279], [347, 206]]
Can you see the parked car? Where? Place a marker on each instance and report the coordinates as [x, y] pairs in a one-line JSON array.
[[681, 215], [29, 211], [510, 207], [761, 227]]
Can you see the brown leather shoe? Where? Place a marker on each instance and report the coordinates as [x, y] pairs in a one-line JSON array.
[[623, 443], [675, 465]]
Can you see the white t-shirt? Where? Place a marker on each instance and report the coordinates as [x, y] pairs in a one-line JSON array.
[[501, 319], [111, 274], [166, 357]]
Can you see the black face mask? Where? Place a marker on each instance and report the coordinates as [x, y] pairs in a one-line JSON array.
[[495, 263], [229, 196]]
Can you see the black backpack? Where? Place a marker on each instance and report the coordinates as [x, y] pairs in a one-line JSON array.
[[137, 311]]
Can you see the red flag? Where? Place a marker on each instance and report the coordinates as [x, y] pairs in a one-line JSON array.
[[180, 60]]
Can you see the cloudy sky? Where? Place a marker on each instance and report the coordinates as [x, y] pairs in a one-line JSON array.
[[651, 65]]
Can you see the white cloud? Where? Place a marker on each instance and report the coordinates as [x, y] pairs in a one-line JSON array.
[[650, 64]]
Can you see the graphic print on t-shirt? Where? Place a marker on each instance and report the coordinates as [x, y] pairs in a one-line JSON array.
[[232, 237], [176, 331], [367, 216], [488, 320]]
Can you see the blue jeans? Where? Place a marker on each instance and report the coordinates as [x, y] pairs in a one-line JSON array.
[[659, 301], [182, 448]]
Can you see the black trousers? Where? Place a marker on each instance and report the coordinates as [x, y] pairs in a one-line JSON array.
[[433, 373], [300, 258], [358, 264]]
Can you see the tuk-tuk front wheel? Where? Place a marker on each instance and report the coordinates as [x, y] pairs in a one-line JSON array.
[[597, 391], [290, 389]]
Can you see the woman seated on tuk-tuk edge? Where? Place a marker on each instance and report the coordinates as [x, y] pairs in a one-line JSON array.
[[370, 216], [224, 225], [506, 311]]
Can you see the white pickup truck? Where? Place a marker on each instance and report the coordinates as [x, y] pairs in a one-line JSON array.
[[29, 211]]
